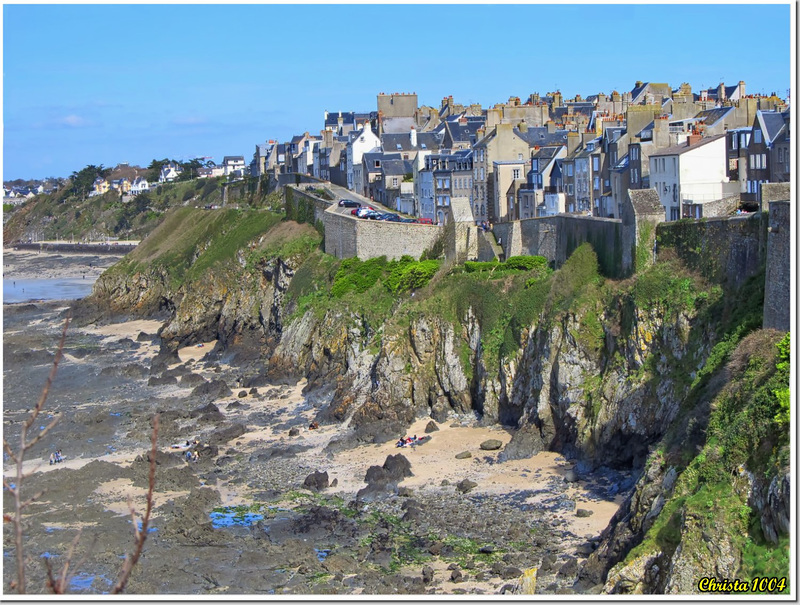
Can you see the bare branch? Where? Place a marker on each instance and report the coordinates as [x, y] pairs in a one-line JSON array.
[[9, 451], [140, 534], [19, 457], [42, 433]]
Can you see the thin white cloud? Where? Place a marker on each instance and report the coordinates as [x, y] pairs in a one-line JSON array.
[[74, 120]]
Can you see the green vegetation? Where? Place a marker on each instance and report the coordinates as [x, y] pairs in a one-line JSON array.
[[7, 208]]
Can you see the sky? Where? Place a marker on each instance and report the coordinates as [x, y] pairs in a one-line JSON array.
[[105, 84]]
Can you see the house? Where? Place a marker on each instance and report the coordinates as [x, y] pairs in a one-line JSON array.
[[206, 172], [395, 179], [358, 144], [169, 172], [767, 127], [500, 144], [99, 187], [445, 178], [139, 185], [508, 178], [122, 185], [233, 165], [531, 202], [372, 171], [691, 174]]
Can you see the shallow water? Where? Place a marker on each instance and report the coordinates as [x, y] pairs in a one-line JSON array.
[[22, 290]]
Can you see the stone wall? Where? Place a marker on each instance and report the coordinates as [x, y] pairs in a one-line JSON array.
[[305, 207], [556, 237], [777, 286], [347, 236], [726, 251], [111, 248]]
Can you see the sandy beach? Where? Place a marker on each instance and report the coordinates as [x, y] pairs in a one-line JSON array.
[[25, 264], [106, 397]]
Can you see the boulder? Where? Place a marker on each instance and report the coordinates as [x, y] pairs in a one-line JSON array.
[[491, 444], [431, 427], [463, 456], [317, 481], [242, 394], [466, 485], [570, 476], [427, 574], [583, 512], [294, 431]]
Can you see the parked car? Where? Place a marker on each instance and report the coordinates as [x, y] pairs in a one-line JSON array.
[[360, 212], [408, 220], [372, 215], [391, 217], [425, 221], [349, 204]]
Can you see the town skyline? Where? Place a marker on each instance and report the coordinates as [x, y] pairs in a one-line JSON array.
[[201, 90]]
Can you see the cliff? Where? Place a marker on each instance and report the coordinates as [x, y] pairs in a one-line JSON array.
[[649, 373]]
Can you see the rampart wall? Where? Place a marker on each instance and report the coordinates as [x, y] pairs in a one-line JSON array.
[[726, 251]]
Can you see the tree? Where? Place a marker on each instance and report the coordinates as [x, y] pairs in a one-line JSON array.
[[154, 170], [83, 181]]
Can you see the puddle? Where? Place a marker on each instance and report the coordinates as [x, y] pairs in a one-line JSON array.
[[220, 520]]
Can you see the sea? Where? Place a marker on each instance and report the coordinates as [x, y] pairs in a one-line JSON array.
[[25, 290]]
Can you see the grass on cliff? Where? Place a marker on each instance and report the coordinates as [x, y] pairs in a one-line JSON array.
[[747, 431], [190, 241], [65, 216]]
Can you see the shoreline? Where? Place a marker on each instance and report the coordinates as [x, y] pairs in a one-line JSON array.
[[29, 265]]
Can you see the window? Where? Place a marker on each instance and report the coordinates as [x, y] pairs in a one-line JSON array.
[[757, 135], [780, 155], [595, 163], [570, 190], [734, 142], [515, 173], [569, 169], [763, 160], [519, 156], [596, 183], [394, 181], [482, 174]]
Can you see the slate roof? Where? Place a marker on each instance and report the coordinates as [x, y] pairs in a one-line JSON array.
[[539, 135], [622, 165], [397, 125], [348, 117], [369, 157], [772, 122], [683, 147], [467, 133], [397, 167], [546, 154], [645, 201], [402, 141], [712, 116]]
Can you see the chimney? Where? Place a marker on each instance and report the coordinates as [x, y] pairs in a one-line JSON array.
[[551, 126], [692, 139], [413, 137], [523, 126]]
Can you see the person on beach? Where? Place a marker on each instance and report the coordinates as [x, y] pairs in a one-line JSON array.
[[52, 458]]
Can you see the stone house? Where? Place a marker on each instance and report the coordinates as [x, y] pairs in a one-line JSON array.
[[393, 174], [372, 171], [500, 144], [445, 178], [508, 177]]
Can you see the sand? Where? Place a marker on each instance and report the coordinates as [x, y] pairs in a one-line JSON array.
[[28, 264]]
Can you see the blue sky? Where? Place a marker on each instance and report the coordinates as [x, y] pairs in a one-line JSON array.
[[103, 84]]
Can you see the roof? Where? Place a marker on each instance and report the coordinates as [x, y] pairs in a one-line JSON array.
[[645, 201], [539, 135], [233, 158], [683, 147], [772, 122], [712, 116], [396, 167]]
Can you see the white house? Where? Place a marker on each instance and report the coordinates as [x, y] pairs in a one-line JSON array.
[[139, 185], [233, 164], [361, 142], [169, 172], [693, 172]]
